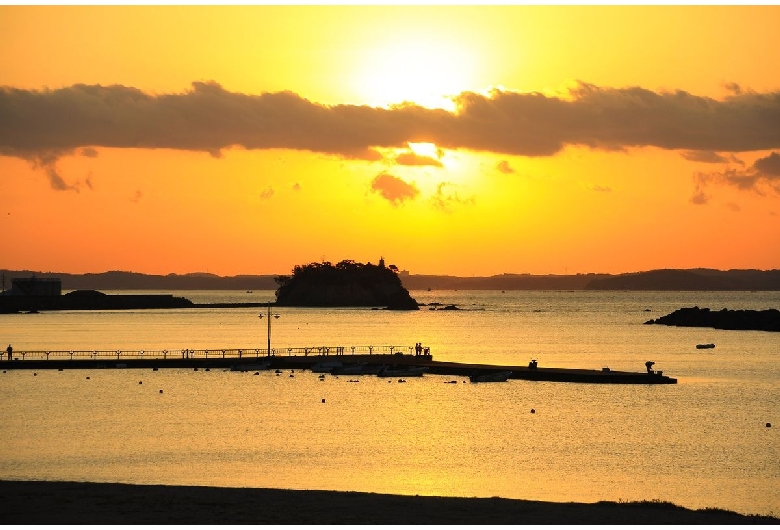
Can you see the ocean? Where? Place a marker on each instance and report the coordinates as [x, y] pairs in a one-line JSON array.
[[704, 442]]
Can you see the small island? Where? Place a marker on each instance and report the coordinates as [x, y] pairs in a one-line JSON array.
[[740, 319], [345, 284]]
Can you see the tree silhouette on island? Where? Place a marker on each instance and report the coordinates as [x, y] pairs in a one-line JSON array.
[[345, 284]]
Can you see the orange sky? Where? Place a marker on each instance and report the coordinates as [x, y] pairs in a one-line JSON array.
[[455, 140]]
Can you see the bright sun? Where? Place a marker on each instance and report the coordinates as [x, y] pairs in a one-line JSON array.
[[425, 149], [421, 71]]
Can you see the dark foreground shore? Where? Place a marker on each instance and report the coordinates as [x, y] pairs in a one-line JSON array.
[[92, 503]]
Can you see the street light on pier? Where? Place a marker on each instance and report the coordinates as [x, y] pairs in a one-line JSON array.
[[269, 326]]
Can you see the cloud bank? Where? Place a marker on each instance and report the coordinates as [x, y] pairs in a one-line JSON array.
[[209, 118], [43, 125]]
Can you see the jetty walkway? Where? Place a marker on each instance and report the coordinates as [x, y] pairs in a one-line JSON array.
[[304, 358]]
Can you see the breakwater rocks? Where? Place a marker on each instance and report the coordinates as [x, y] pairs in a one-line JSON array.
[[90, 300], [346, 284], [737, 319]]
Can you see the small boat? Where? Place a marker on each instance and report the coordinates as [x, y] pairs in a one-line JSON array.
[[402, 371], [704, 346], [357, 369], [325, 367], [496, 377], [251, 367]]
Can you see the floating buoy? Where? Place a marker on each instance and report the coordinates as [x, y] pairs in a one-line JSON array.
[[87, 377], [154, 369], [208, 369], [257, 373], [35, 373], [140, 382], [768, 424], [291, 375], [323, 400], [160, 391], [533, 411]]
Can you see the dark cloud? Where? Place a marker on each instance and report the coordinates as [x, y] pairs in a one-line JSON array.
[[393, 188], [209, 118], [504, 167], [762, 175], [47, 162], [267, 193], [708, 157], [35, 124], [89, 152], [769, 166], [601, 189], [413, 159]]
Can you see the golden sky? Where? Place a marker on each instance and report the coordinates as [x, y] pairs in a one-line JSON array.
[[462, 140]]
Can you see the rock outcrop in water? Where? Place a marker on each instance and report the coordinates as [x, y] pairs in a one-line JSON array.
[[740, 319], [346, 284]]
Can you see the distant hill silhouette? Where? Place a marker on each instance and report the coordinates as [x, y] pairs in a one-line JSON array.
[[690, 280], [654, 280]]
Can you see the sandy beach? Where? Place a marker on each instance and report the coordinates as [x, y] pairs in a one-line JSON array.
[[98, 503]]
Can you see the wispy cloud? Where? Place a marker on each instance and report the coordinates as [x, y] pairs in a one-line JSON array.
[[505, 168], [761, 176], [447, 198]]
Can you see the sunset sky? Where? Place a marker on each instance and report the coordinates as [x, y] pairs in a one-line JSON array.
[[456, 140]]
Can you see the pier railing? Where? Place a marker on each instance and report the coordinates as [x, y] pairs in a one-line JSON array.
[[217, 353]]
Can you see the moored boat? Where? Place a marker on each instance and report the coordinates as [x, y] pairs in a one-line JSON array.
[[495, 377], [356, 369], [326, 367], [704, 346], [402, 371], [251, 367]]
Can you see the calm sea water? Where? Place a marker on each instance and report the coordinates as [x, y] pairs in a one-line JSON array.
[[700, 443]]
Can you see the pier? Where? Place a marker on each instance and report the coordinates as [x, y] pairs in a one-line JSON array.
[[305, 357]]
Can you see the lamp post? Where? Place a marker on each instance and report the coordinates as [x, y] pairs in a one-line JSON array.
[[269, 327]]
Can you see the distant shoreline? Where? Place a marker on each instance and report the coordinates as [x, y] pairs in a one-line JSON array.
[[654, 280], [23, 502]]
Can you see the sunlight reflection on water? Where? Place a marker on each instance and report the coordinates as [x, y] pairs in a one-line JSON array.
[[701, 443]]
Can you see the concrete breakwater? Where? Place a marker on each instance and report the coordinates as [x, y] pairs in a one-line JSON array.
[[306, 358]]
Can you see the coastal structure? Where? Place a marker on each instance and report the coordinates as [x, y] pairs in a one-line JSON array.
[[391, 357]]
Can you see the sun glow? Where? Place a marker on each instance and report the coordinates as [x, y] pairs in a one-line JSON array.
[[427, 72], [426, 149]]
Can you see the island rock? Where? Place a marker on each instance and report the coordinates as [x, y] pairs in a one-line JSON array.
[[741, 319], [346, 284]]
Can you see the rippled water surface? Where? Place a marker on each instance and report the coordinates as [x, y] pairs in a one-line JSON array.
[[700, 443]]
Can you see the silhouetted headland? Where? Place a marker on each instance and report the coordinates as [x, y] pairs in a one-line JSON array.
[[740, 319], [345, 284], [99, 503]]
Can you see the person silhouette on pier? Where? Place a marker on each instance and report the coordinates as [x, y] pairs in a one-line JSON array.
[[10, 351], [649, 365]]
